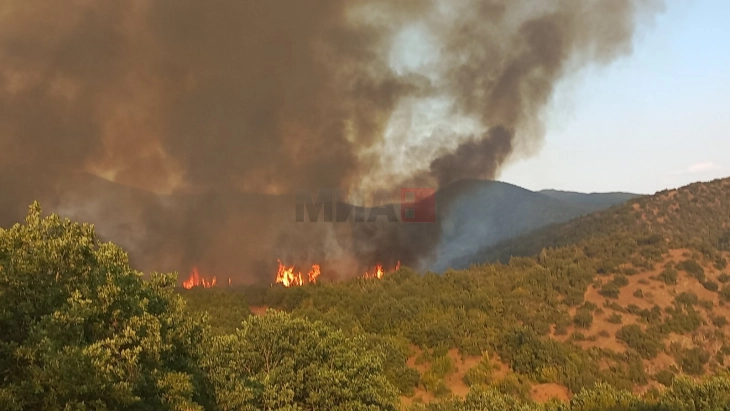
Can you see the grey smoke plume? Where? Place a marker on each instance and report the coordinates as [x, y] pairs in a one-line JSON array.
[[230, 101]]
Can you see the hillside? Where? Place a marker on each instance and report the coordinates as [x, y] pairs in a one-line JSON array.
[[632, 316], [689, 216], [597, 201], [483, 213], [634, 297]]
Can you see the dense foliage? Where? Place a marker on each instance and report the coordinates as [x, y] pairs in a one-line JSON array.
[[82, 330], [523, 310], [630, 299]]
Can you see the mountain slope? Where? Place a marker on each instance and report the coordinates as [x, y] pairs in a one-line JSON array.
[[633, 297], [689, 216], [483, 213], [597, 200]]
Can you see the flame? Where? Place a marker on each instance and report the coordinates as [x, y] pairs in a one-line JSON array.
[[379, 273], [195, 280], [287, 277], [314, 273]]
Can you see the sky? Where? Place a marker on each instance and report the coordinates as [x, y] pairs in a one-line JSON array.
[[657, 119]]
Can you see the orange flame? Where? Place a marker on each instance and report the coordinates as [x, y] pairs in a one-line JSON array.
[[287, 277], [379, 273], [195, 280], [314, 273]]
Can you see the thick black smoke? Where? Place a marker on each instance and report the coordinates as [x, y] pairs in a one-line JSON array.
[[203, 112]]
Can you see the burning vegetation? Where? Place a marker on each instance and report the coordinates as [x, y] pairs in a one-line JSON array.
[[289, 277], [196, 280]]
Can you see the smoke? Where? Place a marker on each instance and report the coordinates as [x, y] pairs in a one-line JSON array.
[[204, 110]]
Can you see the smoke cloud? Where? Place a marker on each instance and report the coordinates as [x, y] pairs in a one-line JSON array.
[[177, 126]]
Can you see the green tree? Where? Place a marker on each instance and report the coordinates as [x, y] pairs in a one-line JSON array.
[[278, 362], [82, 330]]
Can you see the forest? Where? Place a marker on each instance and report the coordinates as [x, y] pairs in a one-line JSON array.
[[622, 309]]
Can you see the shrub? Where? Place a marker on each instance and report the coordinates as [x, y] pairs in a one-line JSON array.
[[687, 298], [441, 390], [610, 290], [442, 366], [639, 293], [725, 293], [645, 344], [620, 280], [711, 285], [615, 318], [664, 377], [583, 318], [693, 361], [669, 276], [719, 321], [693, 268]]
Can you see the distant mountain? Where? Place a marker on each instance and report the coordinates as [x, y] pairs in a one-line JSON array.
[[597, 200], [480, 214], [689, 216]]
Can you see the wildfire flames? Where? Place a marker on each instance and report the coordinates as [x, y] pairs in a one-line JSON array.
[[378, 273], [195, 280], [314, 273], [288, 277]]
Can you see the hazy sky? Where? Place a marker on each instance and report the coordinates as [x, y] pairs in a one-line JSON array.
[[657, 119]]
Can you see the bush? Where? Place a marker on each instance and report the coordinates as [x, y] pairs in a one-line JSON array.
[[514, 385], [711, 285], [693, 268], [645, 344], [725, 293], [723, 278], [687, 298], [583, 318], [615, 318], [610, 290], [664, 377], [620, 280], [669, 276], [442, 366], [442, 390], [693, 361], [479, 375], [719, 321], [639, 293]]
